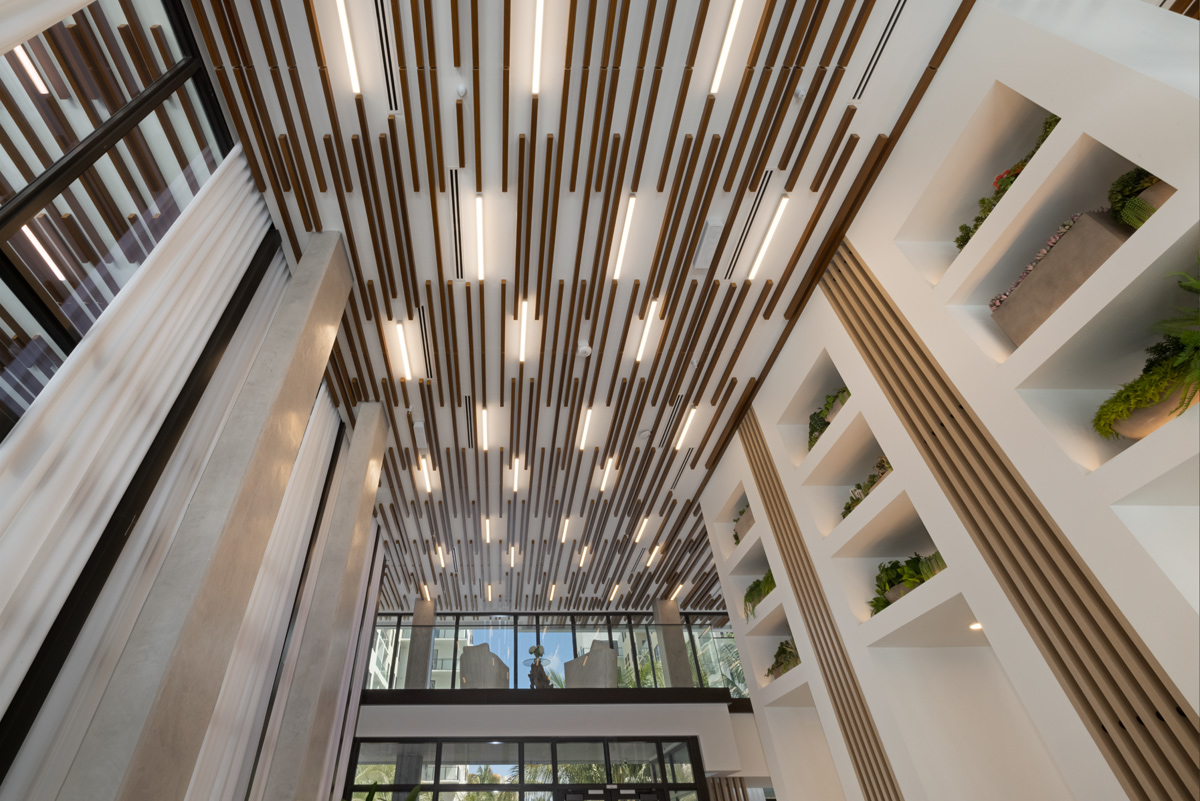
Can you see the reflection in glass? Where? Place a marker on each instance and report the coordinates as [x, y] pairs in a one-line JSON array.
[[526, 637], [480, 795], [718, 653], [538, 766], [588, 632], [395, 763], [581, 763], [684, 795], [496, 632], [678, 762], [480, 763], [556, 638], [627, 668], [383, 648], [649, 665], [634, 762]]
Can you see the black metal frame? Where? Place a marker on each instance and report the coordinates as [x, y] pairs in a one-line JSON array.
[[698, 784]]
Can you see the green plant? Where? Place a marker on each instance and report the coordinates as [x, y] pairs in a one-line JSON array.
[[863, 489], [758, 589], [1126, 188], [1001, 184], [736, 538], [817, 422], [912, 572], [786, 658], [1136, 212], [1173, 365]]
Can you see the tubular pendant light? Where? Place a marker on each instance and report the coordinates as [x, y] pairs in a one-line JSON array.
[[516, 469], [583, 556], [483, 437], [604, 478], [341, 7], [552, 586], [563, 537], [653, 554], [587, 421], [487, 532], [403, 352], [729, 31], [641, 529], [613, 594], [425, 473], [686, 424], [766, 243], [646, 330], [624, 236], [479, 234], [34, 78], [537, 48], [678, 590], [441, 557], [524, 314], [33, 240], [425, 590]]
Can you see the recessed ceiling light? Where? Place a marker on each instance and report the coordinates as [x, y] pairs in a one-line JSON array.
[[729, 31], [563, 537], [425, 473], [403, 352], [512, 556], [766, 243], [537, 48], [479, 234], [613, 594], [604, 478], [583, 556], [34, 78], [678, 590], [524, 316], [686, 424], [976, 627], [552, 587], [646, 330], [37, 245], [483, 437], [425, 590], [489, 590], [653, 554], [341, 7], [624, 236], [641, 529], [487, 532], [587, 421], [441, 557], [516, 471]]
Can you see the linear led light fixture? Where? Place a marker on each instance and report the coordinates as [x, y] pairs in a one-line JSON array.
[[487, 532], [537, 48], [646, 330], [341, 7], [425, 591], [552, 586], [624, 236], [479, 234], [678, 590], [587, 421], [653, 554], [512, 556], [976, 627], [563, 537], [641, 529], [36, 79], [425, 473], [729, 31], [483, 437], [524, 315], [613, 594], [686, 424], [516, 472], [441, 557], [582, 556], [33, 240], [766, 243], [489, 588], [604, 478], [403, 352]]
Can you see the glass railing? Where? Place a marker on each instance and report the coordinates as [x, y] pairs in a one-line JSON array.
[[550, 652]]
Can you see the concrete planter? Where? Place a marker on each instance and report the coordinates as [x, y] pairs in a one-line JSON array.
[[833, 412], [1071, 261], [897, 592], [1144, 422]]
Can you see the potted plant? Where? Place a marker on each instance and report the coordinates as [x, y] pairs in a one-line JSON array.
[[786, 658], [1168, 383], [758, 589], [861, 490], [1001, 184], [896, 579], [819, 420]]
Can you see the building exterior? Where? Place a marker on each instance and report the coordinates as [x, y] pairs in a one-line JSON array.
[[750, 367]]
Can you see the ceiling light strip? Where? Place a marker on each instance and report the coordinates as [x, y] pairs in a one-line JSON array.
[[686, 425], [524, 316], [587, 421], [766, 243], [646, 330], [607, 470], [537, 48], [624, 236], [730, 29], [403, 352], [349, 44], [34, 77], [483, 429], [479, 235], [37, 245]]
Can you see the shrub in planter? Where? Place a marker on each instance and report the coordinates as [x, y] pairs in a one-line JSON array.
[[1125, 190], [818, 421], [1001, 184], [1168, 384], [758, 589], [737, 537], [896, 579], [863, 489], [786, 658]]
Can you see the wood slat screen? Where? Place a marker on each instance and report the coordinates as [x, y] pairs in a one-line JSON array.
[[871, 764], [727, 788], [1142, 723]]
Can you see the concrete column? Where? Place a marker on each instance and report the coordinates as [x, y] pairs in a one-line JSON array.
[[420, 648], [672, 645], [302, 766], [146, 735]]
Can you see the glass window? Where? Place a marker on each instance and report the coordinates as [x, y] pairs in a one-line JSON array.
[[684, 795], [555, 633], [443, 654], [480, 795], [588, 631], [678, 761], [526, 638], [649, 666], [627, 667], [495, 632], [539, 795], [581, 763], [395, 763], [383, 648], [538, 767], [480, 763], [634, 762], [719, 657]]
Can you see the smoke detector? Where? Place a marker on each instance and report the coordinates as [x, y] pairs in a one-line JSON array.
[[585, 349], [644, 434]]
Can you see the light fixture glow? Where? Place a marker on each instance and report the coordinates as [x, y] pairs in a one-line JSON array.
[[425, 473], [976, 627], [403, 352], [487, 532], [489, 589], [604, 478], [646, 330], [341, 7], [537, 48], [524, 314], [613, 594], [483, 437], [512, 556], [686, 424], [441, 557], [624, 237], [425, 590], [587, 421], [33, 240], [552, 587], [729, 31], [36, 79], [678, 590], [479, 234], [563, 537], [653, 554], [641, 529], [766, 243], [582, 556], [516, 472]]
